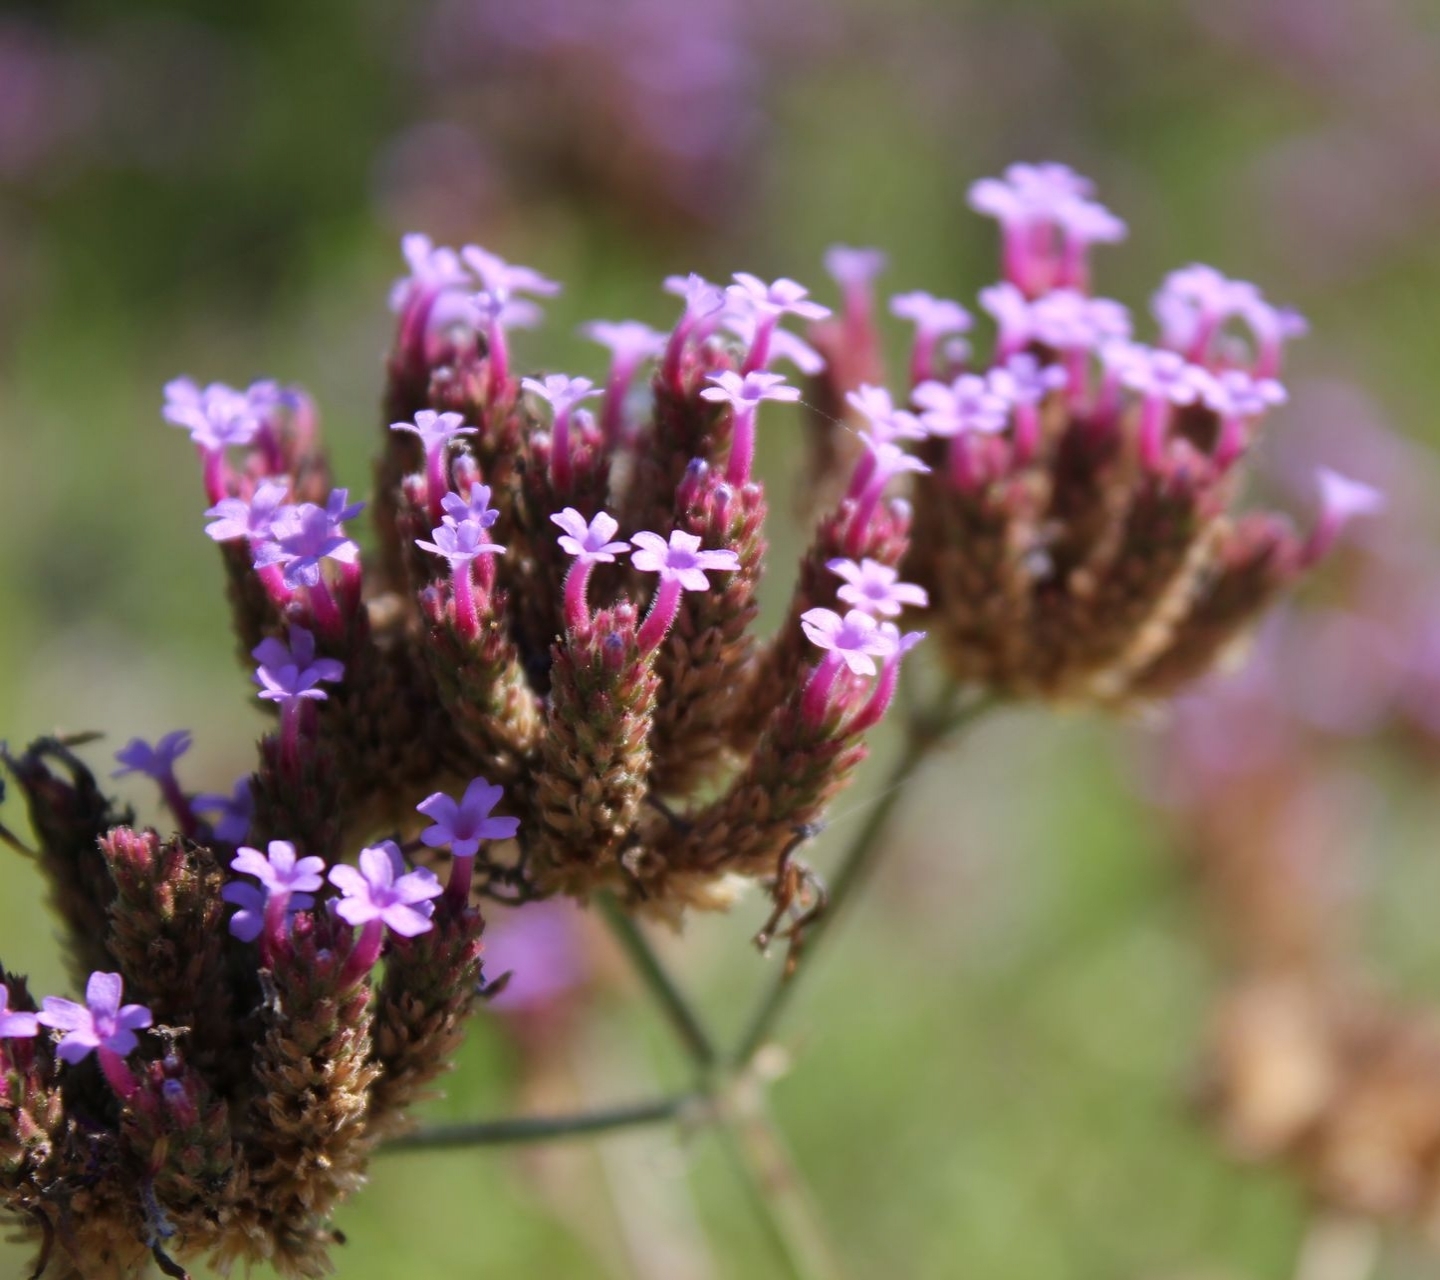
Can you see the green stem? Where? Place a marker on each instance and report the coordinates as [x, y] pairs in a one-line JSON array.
[[925, 734], [672, 1001], [525, 1129]]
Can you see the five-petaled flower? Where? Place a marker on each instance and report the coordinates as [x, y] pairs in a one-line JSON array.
[[100, 1023], [745, 394], [381, 894], [464, 824], [157, 762], [290, 672], [287, 885], [682, 566], [251, 517], [876, 588], [305, 534]]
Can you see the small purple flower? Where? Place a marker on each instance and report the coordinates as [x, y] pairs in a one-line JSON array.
[[589, 543], [287, 885], [303, 535], [1022, 379], [562, 393], [100, 1023], [875, 588], [1165, 375], [630, 342], [460, 541], [853, 268], [933, 317], [285, 673], [702, 298], [216, 417], [967, 405], [1010, 310], [432, 267], [234, 811], [499, 309], [887, 423], [783, 345], [746, 394], [781, 297], [1235, 393], [435, 430], [475, 508], [1069, 320], [1342, 499], [249, 518], [680, 560], [499, 276], [464, 825], [14, 1025], [856, 639], [381, 890], [157, 762]]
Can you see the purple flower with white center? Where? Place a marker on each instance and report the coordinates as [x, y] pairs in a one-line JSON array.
[[887, 423], [102, 1025], [250, 518], [15, 1025], [934, 318], [1023, 383], [462, 542], [590, 544], [631, 344], [1341, 500], [767, 303], [234, 812], [783, 345], [745, 396], [158, 764], [851, 642], [288, 884], [475, 507], [381, 894], [499, 276], [875, 588], [1163, 379], [463, 826], [682, 566], [436, 431], [562, 393], [1239, 399]]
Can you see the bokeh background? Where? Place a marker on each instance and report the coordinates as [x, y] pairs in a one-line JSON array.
[[995, 1069]]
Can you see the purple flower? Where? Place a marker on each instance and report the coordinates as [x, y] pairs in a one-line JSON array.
[[680, 560], [499, 276], [875, 588], [701, 297], [781, 297], [1010, 310], [381, 890], [1029, 191], [1069, 320], [853, 268], [630, 342], [562, 393], [460, 541], [432, 267], [887, 423], [249, 518], [157, 762], [1022, 379], [435, 430], [475, 508], [500, 307], [934, 317], [856, 639], [287, 885], [464, 825], [15, 1026], [235, 811], [589, 543], [303, 535], [748, 393], [285, 673], [100, 1023], [1165, 375], [1235, 393], [967, 404], [216, 417], [783, 345]]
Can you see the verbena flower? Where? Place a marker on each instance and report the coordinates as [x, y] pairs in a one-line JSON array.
[[287, 884], [101, 1023], [15, 1024]]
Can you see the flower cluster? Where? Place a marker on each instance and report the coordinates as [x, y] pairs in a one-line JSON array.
[[1074, 527]]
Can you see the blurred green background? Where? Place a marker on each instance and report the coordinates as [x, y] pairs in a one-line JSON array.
[[992, 1068]]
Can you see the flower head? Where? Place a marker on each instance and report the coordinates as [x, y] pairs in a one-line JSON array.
[[589, 543], [745, 394], [303, 535], [294, 672], [216, 417], [781, 297], [464, 825], [157, 762], [15, 1025], [875, 588], [435, 430], [680, 560], [460, 541], [562, 393], [100, 1023], [381, 889], [249, 518], [856, 638], [283, 878]]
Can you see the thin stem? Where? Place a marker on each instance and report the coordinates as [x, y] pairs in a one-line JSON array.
[[781, 1198], [925, 734], [672, 1001], [525, 1129]]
